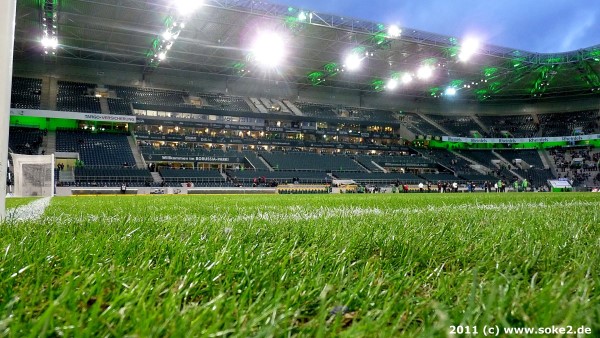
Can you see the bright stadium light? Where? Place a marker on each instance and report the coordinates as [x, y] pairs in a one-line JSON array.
[[162, 56], [450, 91], [269, 49], [352, 61], [48, 42], [187, 7], [468, 48], [394, 31], [425, 72], [167, 35], [302, 16], [407, 78], [392, 84]]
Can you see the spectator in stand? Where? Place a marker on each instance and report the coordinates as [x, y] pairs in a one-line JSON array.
[[421, 186]]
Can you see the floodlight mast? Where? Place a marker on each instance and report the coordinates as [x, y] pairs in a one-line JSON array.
[[7, 38]]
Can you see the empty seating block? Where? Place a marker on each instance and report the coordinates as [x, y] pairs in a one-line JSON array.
[[419, 126], [457, 125], [190, 175], [317, 110], [310, 161], [365, 114], [247, 177], [96, 149], [25, 93], [564, 124], [161, 97], [224, 102], [514, 125], [531, 157], [119, 107], [77, 97], [379, 178], [25, 140]]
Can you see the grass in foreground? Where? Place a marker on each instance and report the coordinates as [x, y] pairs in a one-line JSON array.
[[15, 202], [349, 265]]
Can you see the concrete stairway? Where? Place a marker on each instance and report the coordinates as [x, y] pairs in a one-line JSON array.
[[437, 125], [50, 140], [156, 177], [137, 155], [104, 106]]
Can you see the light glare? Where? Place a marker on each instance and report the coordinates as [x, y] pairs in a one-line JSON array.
[[407, 78], [352, 61], [392, 84], [425, 72], [269, 49], [394, 31], [49, 42], [469, 48], [187, 7], [450, 91]]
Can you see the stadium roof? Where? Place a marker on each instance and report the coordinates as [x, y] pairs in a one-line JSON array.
[[216, 40]]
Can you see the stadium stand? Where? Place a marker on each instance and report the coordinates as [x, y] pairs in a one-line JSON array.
[[77, 97], [565, 124], [442, 177], [317, 110], [510, 126], [483, 157], [449, 160], [152, 96], [365, 114], [458, 125], [224, 102], [254, 160], [531, 157], [310, 161], [119, 107], [175, 177], [263, 177], [96, 149], [419, 126], [25, 140], [25, 93], [367, 162], [379, 178]]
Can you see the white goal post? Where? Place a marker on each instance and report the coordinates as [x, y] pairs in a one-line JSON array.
[[33, 175]]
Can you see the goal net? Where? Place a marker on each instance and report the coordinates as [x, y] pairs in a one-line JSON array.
[[33, 175]]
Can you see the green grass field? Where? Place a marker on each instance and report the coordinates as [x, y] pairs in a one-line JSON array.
[[17, 202], [316, 265]]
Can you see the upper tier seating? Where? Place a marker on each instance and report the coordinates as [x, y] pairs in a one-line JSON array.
[[317, 110], [515, 125], [224, 102], [419, 126], [25, 93], [77, 97], [457, 125], [96, 149], [484, 157], [161, 97], [119, 107], [25, 140], [564, 124], [365, 114], [310, 161]]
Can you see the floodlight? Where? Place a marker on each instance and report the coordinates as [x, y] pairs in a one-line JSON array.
[[450, 91], [407, 78], [162, 56], [468, 48], [302, 16], [394, 31], [167, 35], [352, 61], [425, 72], [392, 84], [49, 42], [269, 49], [187, 7]]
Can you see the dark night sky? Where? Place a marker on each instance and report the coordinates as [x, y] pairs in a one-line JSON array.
[[539, 26]]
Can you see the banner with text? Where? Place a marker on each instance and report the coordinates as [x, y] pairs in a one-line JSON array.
[[522, 140], [72, 115]]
